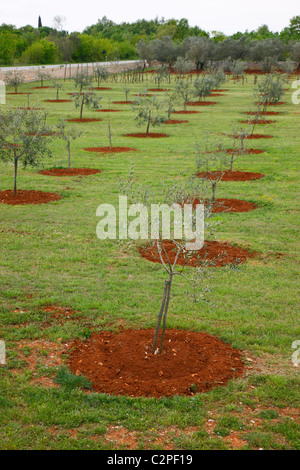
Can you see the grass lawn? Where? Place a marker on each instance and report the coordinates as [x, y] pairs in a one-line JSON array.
[[50, 256]]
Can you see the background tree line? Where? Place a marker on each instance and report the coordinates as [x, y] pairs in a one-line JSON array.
[[158, 39]]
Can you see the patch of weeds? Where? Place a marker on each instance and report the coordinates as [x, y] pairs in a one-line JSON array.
[[269, 414], [70, 381], [226, 424]]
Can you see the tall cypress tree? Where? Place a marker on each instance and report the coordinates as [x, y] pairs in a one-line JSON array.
[[40, 22]]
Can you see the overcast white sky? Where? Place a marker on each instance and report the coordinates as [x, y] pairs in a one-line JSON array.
[[228, 16]]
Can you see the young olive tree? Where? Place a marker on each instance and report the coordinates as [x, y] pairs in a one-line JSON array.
[[43, 75], [84, 96], [183, 66], [149, 112], [269, 90], [183, 92], [68, 134], [57, 87], [203, 86], [143, 199], [22, 138], [14, 79], [100, 73], [211, 162]]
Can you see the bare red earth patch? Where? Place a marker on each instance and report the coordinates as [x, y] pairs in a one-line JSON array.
[[18, 93], [233, 175], [83, 120], [70, 172], [110, 149], [123, 102], [259, 121], [40, 87], [246, 151], [185, 112], [108, 110], [175, 121], [217, 253], [229, 205], [27, 197], [57, 101], [201, 103], [150, 134], [263, 113], [159, 89], [122, 363]]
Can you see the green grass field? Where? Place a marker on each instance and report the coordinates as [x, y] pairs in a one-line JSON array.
[[50, 255]]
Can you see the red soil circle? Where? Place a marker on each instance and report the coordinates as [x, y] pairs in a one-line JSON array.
[[122, 363], [258, 136], [150, 134], [229, 205], [69, 172], [27, 197], [201, 103], [83, 120], [185, 112], [175, 121], [109, 110], [18, 93], [40, 87], [123, 102], [246, 151], [57, 101], [110, 149], [259, 121], [159, 89], [219, 90], [263, 113], [217, 253], [234, 175]]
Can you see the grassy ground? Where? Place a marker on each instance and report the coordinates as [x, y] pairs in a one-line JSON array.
[[50, 255]]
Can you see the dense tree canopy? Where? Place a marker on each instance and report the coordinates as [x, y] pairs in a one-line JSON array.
[[160, 39]]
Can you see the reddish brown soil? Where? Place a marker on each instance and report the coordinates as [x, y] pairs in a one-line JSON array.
[[186, 112], [255, 136], [279, 103], [159, 89], [201, 103], [122, 363], [46, 134], [217, 253], [110, 149], [102, 88], [27, 197], [259, 121], [29, 108], [108, 110], [175, 121], [258, 136], [265, 113], [219, 90], [246, 151], [122, 102], [142, 94], [83, 120], [234, 175], [150, 134], [70, 172], [19, 93], [40, 87], [230, 205], [57, 101]]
